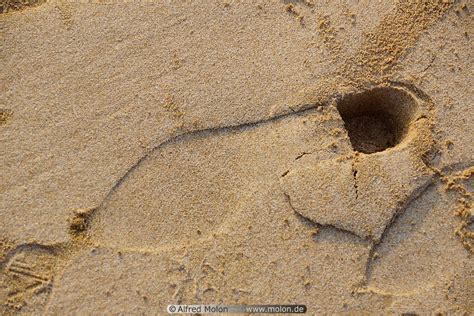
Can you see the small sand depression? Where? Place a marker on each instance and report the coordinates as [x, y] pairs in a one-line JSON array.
[[377, 119], [5, 115], [236, 152]]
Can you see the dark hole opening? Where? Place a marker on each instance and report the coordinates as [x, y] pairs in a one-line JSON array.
[[377, 119]]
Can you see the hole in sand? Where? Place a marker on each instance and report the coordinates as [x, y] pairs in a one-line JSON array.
[[377, 119]]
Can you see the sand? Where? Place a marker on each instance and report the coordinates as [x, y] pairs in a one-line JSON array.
[[236, 152]]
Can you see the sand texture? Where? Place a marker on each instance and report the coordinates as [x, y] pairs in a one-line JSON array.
[[236, 152]]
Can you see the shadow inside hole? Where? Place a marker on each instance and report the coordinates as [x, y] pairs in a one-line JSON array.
[[377, 119], [371, 132]]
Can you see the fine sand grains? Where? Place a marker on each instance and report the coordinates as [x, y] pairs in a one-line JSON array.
[[235, 152]]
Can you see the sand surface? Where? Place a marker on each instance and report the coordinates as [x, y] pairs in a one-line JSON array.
[[236, 152]]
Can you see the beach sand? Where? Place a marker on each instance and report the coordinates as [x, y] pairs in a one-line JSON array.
[[236, 152]]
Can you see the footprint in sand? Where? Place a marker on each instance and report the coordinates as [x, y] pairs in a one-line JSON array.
[[27, 274], [190, 186], [199, 184], [355, 183]]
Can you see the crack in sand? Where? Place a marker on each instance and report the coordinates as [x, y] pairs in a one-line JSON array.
[[302, 155], [354, 175]]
